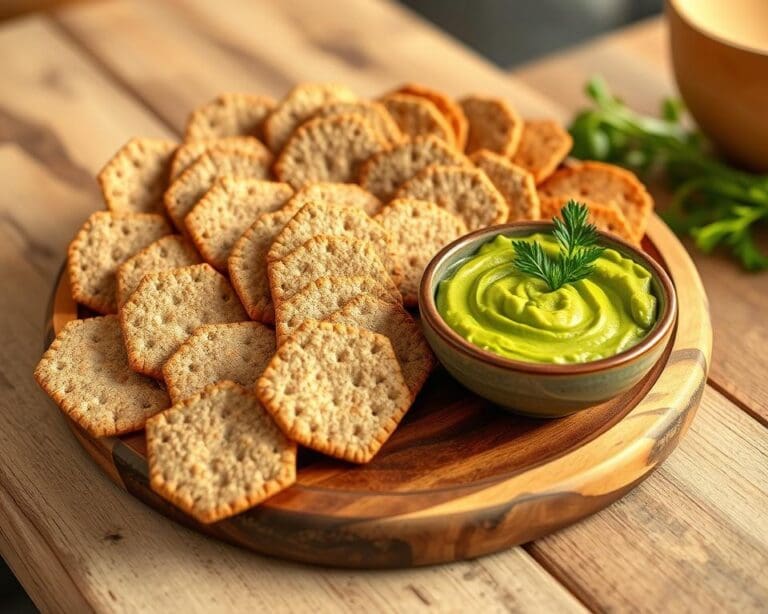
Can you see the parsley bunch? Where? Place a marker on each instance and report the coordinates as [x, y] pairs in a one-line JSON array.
[[714, 203], [578, 251]]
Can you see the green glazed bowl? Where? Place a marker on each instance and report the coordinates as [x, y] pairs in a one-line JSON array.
[[536, 389]]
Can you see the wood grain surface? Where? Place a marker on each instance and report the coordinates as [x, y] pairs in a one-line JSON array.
[[100, 73]]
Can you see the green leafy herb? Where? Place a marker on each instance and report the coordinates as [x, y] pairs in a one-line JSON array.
[[714, 203], [578, 250]]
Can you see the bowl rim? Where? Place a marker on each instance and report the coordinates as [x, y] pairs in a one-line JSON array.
[[673, 7], [432, 317]]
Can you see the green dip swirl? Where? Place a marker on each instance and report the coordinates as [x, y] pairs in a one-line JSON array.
[[494, 306]]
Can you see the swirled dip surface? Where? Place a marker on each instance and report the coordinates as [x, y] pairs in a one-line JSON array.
[[494, 306]]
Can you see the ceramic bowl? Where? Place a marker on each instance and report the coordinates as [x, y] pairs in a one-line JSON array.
[[535, 389], [720, 58]]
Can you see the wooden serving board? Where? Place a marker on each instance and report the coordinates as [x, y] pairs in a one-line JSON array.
[[460, 478]]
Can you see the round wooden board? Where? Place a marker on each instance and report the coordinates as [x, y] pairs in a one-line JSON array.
[[460, 478]]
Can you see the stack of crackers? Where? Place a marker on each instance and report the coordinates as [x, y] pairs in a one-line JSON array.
[[253, 281]]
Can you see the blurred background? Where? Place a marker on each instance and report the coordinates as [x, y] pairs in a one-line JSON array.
[[506, 32]]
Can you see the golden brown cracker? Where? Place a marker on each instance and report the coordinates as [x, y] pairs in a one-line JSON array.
[[514, 183], [336, 389], [493, 125], [416, 116], [227, 210], [85, 371], [544, 144], [466, 192], [188, 153], [227, 115], [134, 180], [450, 109], [104, 242], [218, 453]]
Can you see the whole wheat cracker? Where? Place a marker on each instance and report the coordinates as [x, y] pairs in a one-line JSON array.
[[134, 180], [167, 308], [227, 210], [466, 192], [607, 184], [394, 322], [323, 256], [168, 252], [349, 194], [247, 263], [383, 173], [327, 149], [85, 371], [218, 453], [188, 153], [493, 125], [217, 352], [449, 108], [419, 229], [104, 242], [374, 113], [194, 182], [231, 114], [544, 144], [417, 116], [300, 104], [338, 220], [606, 217], [319, 299], [514, 183], [336, 389]]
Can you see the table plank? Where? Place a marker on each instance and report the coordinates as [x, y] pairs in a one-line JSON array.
[[691, 538], [636, 66], [268, 47], [75, 540]]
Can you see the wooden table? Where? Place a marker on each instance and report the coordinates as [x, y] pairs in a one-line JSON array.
[[75, 85]]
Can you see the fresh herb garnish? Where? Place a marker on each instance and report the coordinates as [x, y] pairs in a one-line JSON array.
[[714, 203], [578, 250]]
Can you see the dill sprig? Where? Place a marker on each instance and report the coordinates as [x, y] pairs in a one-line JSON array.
[[578, 250]]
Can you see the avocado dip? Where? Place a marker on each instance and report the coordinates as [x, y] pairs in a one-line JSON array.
[[491, 304]]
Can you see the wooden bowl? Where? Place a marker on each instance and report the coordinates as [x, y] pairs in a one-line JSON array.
[[720, 58], [536, 389]]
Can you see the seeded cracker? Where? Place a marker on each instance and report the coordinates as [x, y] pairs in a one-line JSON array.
[[248, 263], [543, 146], [327, 149], [85, 371], [349, 194], [336, 389], [493, 125], [447, 107], [338, 220], [321, 298], [167, 308], [605, 217], [194, 182], [386, 171], [229, 115], [375, 115], [417, 117], [607, 184], [323, 256], [227, 210], [105, 241], [169, 252], [216, 352], [301, 103], [466, 192], [134, 180], [391, 320], [188, 153], [419, 229], [515, 184], [218, 453]]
